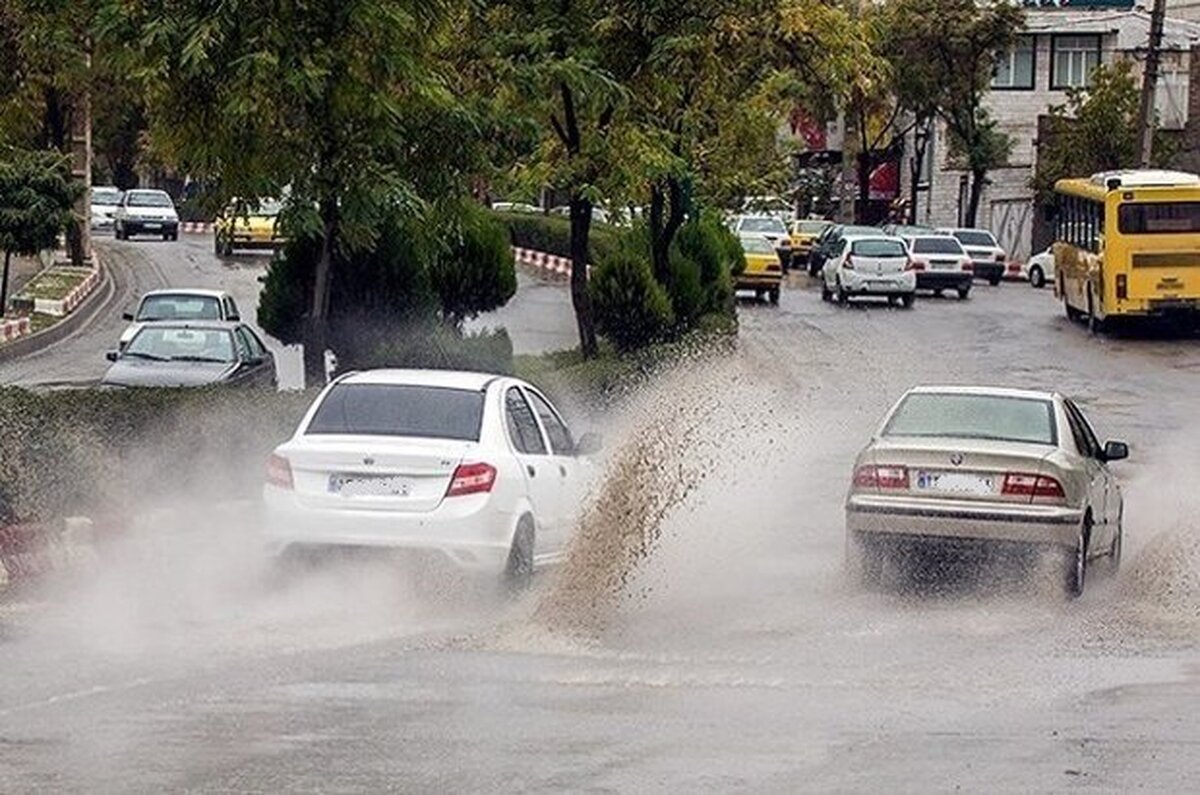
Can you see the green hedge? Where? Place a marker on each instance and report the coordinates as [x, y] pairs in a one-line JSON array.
[[552, 234], [97, 451]]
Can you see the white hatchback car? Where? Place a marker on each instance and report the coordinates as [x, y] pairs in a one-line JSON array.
[[876, 265], [1040, 268], [479, 469]]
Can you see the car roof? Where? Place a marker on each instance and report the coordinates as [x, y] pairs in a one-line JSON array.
[[855, 237], [447, 379], [146, 190], [993, 391], [187, 291], [952, 229]]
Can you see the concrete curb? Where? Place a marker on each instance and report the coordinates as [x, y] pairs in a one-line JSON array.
[[548, 264], [64, 306], [195, 227], [98, 297], [11, 329]]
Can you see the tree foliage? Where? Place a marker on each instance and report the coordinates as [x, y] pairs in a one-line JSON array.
[[36, 196]]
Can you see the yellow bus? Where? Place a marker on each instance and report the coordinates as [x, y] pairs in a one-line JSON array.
[[1128, 245]]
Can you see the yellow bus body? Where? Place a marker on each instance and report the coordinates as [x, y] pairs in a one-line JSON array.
[[1129, 249]]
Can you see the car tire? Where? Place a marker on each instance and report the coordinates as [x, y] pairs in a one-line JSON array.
[[964, 292], [1075, 568], [843, 297], [864, 563], [907, 300], [518, 571], [938, 292], [118, 233], [994, 281], [1118, 543], [814, 267], [826, 293], [1036, 277], [773, 295]]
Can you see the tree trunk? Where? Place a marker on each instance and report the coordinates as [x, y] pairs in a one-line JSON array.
[[659, 257], [864, 187], [920, 145], [581, 299], [316, 327], [978, 178], [4, 284]]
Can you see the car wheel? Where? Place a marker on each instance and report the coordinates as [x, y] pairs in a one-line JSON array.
[[814, 267], [518, 572], [1118, 542], [964, 292], [864, 562], [939, 292], [907, 300], [994, 281], [773, 295], [118, 233], [826, 293], [166, 236], [1075, 570], [842, 296], [1036, 277]]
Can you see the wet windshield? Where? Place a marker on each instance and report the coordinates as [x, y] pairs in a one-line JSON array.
[[167, 343], [963, 416], [878, 248], [400, 410], [936, 245], [179, 307], [106, 196], [149, 198]]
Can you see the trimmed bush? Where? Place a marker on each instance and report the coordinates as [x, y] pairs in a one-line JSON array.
[[552, 234], [477, 274], [444, 348], [632, 308]]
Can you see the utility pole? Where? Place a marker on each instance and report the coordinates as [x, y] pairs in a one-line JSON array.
[[1149, 85]]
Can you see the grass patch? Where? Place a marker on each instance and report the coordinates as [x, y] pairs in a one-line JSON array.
[[54, 284]]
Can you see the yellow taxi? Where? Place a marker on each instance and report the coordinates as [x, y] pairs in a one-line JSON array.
[[763, 272], [241, 226], [804, 234]]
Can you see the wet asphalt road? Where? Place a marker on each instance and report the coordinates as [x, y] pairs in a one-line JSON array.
[[741, 660]]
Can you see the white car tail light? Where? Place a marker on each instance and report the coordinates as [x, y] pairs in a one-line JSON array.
[[914, 265], [279, 472], [968, 265], [881, 477], [1036, 487], [472, 479], [849, 263]]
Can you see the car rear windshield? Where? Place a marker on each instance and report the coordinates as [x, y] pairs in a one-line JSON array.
[[400, 410], [1008, 419], [106, 196], [757, 245], [972, 237], [878, 248], [150, 199], [936, 245], [760, 225], [179, 307], [1159, 218], [811, 227]]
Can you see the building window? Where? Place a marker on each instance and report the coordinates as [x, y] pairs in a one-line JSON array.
[[1074, 60], [1015, 68]]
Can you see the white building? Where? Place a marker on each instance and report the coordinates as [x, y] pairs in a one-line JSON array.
[[1058, 51]]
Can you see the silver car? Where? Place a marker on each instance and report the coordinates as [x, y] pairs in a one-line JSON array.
[[972, 466]]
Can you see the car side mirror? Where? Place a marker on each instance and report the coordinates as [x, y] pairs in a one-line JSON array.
[[112, 356], [234, 317], [1116, 451], [589, 444], [127, 316]]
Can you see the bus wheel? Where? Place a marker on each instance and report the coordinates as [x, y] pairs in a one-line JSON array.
[[1095, 324]]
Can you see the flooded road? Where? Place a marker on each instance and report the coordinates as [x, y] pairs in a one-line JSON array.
[[735, 657]]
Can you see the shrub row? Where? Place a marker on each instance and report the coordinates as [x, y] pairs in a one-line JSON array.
[[552, 234]]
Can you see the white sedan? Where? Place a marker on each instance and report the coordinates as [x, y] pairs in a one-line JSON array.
[[479, 469], [968, 467], [1040, 268]]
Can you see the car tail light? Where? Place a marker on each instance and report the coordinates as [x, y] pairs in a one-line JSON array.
[[1014, 267], [914, 265], [881, 477], [1122, 286], [968, 265], [1024, 484], [774, 268], [472, 479], [849, 263], [279, 472], [999, 258]]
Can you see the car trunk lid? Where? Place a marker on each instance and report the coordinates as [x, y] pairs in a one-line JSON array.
[[963, 469]]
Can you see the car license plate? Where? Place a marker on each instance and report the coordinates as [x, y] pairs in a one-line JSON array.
[[152, 226], [369, 486], [956, 482]]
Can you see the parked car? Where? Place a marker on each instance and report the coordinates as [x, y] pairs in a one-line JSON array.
[[196, 353], [1039, 269], [870, 266], [479, 469], [242, 227], [976, 467], [764, 269], [176, 305], [989, 258], [516, 207], [599, 214], [767, 227], [104, 202], [146, 212], [941, 264], [829, 241]]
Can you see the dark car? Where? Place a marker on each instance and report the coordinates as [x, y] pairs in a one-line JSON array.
[[828, 244], [196, 353]]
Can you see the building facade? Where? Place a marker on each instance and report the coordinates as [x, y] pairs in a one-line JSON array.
[[1058, 50]]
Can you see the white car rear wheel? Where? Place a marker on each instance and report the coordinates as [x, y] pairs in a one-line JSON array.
[[1036, 277], [518, 572]]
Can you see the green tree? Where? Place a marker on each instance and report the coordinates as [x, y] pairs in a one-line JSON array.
[[36, 196], [475, 272], [342, 102], [1094, 130], [944, 52]]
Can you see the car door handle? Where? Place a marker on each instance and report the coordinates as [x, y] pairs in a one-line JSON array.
[[531, 470]]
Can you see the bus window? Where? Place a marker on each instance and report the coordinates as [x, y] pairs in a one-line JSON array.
[[1158, 218]]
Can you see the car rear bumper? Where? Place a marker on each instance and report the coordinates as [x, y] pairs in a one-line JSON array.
[[150, 227], [956, 519], [988, 270], [758, 281], [471, 533], [944, 280], [885, 284]]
